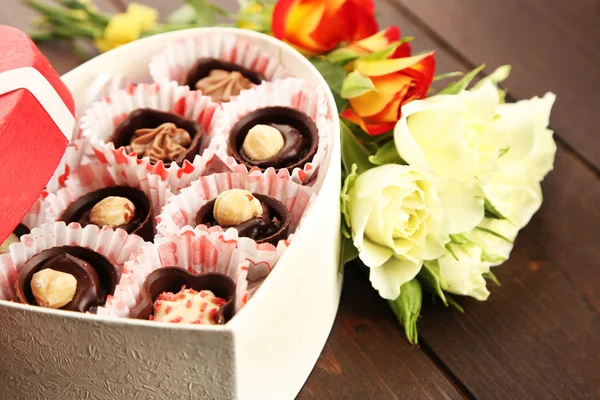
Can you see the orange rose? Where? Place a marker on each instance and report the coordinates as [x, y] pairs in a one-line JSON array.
[[379, 41], [318, 26], [395, 82]]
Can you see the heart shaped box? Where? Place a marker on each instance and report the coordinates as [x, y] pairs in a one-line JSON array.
[[265, 352]]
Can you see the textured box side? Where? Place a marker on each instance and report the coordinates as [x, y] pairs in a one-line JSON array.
[[54, 356]]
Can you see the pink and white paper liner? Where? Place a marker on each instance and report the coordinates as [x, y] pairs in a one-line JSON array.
[[73, 157], [91, 177], [294, 93], [180, 210], [178, 58], [196, 252], [116, 245], [100, 121]]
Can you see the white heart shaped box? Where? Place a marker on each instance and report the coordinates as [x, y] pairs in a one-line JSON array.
[[266, 351]]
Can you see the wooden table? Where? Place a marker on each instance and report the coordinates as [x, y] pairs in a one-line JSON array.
[[538, 336]]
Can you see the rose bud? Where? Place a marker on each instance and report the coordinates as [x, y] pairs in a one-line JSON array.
[[316, 26]]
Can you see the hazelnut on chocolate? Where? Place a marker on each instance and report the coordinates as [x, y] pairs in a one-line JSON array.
[[69, 278], [53, 289], [121, 207], [112, 210], [236, 206], [12, 238], [253, 215], [263, 142]]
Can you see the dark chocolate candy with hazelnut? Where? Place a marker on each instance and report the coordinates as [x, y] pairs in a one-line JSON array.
[[161, 136], [254, 133], [69, 278], [262, 218], [117, 206]]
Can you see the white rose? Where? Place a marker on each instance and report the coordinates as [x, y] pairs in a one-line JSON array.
[[454, 136], [464, 275], [495, 237], [514, 189], [397, 221]]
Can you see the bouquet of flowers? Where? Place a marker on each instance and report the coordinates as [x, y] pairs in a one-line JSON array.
[[437, 183]]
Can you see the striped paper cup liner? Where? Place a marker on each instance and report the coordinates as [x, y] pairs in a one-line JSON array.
[[195, 252], [73, 158], [91, 177], [178, 58], [100, 121], [293, 93], [116, 245]]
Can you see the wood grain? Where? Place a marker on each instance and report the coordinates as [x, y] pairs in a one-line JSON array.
[[553, 45]]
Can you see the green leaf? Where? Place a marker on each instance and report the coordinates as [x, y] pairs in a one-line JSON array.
[[356, 84], [447, 75], [494, 233], [459, 86], [460, 238], [388, 51], [451, 250], [491, 211], [387, 154], [499, 75], [454, 303], [349, 252], [490, 275], [341, 56], [430, 279], [407, 308], [353, 152], [334, 75], [345, 198]]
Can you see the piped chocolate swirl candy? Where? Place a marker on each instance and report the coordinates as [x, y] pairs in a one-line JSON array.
[[277, 137], [69, 278], [172, 294], [121, 207], [220, 79], [159, 135], [14, 237], [259, 217]]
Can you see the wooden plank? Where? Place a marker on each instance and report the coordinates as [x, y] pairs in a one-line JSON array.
[[61, 57], [368, 357], [552, 45]]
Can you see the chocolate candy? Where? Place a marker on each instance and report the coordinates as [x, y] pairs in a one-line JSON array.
[[159, 135], [299, 132], [231, 84], [173, 279], [140, 223], [96, 276], [14, 237], [271, 227]]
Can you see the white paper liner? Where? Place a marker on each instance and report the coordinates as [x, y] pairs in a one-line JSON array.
[[116, 245], [73, 157], [196, 252], [176, 60], [90, 177], [291, 92], [181, 209], [177, 217], [100, 121]]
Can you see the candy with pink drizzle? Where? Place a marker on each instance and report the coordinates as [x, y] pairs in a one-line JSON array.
[[187, 307]]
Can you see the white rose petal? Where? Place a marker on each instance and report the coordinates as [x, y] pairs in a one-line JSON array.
[[397, 221], [496, 249], [465, 275], [388, 278]]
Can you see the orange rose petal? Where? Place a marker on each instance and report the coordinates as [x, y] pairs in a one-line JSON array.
[[302, 19], [391, 113], [280, 14], [383, 67], [374, 102], [366, 125]]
